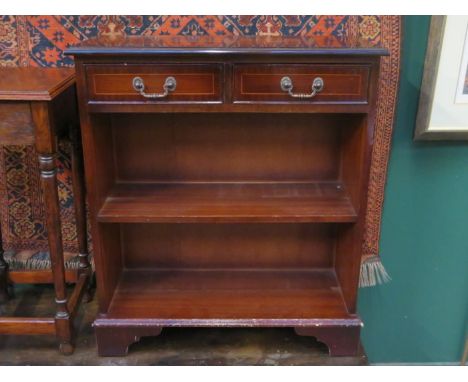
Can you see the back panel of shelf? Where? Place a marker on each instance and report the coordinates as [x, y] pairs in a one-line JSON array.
[[228, 147], [227, 246]]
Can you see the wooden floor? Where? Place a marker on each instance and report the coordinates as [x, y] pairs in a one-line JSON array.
[[175, 346]]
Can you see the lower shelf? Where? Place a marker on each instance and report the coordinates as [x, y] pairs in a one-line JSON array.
[[228, 297]]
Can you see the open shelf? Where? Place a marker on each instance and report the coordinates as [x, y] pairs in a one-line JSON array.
[[305, 202], [227, 294]]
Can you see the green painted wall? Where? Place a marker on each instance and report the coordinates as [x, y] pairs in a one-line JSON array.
[[421, 315]]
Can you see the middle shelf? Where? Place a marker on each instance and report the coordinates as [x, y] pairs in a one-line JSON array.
[[234, 202]]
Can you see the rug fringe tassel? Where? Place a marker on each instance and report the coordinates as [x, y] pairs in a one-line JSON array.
[[41, 264], [373, 273], [74, 263]]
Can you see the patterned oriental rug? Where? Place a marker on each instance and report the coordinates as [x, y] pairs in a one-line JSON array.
[[41, 41]]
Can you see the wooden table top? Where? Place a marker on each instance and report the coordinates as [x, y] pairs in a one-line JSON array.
[[216, 45], [34, 84]]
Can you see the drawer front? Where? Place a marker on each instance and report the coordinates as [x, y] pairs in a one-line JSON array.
[[340, 83], [192, 83]]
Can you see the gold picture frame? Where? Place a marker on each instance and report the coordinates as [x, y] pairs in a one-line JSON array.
[[443, 102]]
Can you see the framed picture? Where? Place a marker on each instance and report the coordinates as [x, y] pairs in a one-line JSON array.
[[443, 102], [462, 87]]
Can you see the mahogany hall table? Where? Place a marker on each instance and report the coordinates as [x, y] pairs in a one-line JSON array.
[[37, 106]]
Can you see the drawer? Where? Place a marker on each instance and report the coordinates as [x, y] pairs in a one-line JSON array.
[[165, 83], [334, 83]]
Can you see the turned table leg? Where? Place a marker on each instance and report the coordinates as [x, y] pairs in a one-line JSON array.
[[3, 274], [46, 148], [80, 204]]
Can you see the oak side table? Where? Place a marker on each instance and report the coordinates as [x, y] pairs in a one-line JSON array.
[[37, 106]]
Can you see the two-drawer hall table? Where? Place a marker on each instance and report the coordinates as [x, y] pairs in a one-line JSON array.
[[37, 106]]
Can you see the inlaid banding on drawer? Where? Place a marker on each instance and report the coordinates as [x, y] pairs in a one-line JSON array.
[[194, 83], [262, 83]]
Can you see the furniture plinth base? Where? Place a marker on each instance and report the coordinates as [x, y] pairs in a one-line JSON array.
[[114, 336], [114, 341], [341, 341]]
